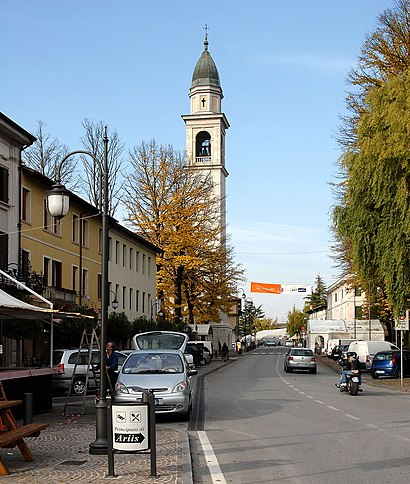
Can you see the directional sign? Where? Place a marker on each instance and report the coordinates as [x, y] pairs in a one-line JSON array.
[[130, 427], [402, 323]]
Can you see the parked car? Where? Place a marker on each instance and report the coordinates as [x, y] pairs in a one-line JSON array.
[[300, 359], [164, 371], [197, 354], [204, 343], [205, 350], [64, 362], [367, 349], [388, 363], [289, 342], [338, 351]]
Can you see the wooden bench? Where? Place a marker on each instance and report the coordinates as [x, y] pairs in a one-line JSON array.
[[14, 435]]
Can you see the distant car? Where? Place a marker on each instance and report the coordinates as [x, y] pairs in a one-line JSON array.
[[289, 342], [388, 363], [64, 362], [270, 342], [300, 359]]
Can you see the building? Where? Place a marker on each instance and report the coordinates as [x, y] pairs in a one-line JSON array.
[[344, 301], [13, 140], [206, 127]]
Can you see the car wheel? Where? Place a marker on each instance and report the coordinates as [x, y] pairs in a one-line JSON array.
[[374, 376], [288, 370], [313, 371], [79, 386]]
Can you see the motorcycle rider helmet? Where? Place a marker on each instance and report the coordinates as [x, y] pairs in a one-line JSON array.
[[352, 354]]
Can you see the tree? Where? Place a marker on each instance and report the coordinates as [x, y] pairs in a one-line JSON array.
[[373, 216], [384, 55], [296, 319], [318, 298], [93, 141], [174, 208], [45, 156], [262, 324]]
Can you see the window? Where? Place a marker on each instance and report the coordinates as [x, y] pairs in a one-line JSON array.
[[124, 293], [75, 228], [335, 296], [4, 251], [143, 302], [85, 235], [25, 262], [4, 184], [117, 251], [57, 279], [26, 205], [137, 300], [124, 255], [131, 298], [74, 278], [143, 263], [84, 282], [131, 258], [46, 270], [137, 260], [149, 266]]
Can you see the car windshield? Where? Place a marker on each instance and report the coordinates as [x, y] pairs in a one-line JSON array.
[[146, 363], [160, 340], [302, 353]]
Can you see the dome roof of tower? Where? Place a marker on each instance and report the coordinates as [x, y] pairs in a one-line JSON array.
[[205, 72]]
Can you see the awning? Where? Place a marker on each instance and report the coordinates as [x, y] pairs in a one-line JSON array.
[[13, 308], [201, 329]]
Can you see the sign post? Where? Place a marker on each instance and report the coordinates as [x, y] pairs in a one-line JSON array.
[[131, 430], [402, 324]]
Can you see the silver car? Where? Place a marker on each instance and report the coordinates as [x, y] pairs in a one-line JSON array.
[[165, 372], [300, 359]]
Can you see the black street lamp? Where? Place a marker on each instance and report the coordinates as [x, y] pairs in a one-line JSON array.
[[248, 308], [57, 206]]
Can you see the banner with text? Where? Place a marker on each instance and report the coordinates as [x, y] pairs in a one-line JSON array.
[[280, 288]]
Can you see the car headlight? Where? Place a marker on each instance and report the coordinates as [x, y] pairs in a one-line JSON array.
[[180, 387], [121, 388]]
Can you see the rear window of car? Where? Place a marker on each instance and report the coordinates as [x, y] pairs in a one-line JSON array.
[[302, 353], [146, 363], [383, 356], [168, 341], [57, 355]]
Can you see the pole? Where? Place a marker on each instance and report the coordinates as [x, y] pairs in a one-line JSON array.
[[370, 323], [401, 358], [99, 446]]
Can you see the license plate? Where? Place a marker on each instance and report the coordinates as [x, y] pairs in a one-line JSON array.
[[379, 371], [302, 364]]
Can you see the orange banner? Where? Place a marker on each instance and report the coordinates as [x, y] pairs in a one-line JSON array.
[[266, 288]]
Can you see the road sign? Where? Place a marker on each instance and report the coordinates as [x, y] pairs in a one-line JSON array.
[[130, 427], [402, 322]]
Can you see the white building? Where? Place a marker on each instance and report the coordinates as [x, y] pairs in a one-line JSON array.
[[344, 301]]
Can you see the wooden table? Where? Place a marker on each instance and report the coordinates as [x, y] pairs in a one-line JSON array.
[[14, 435]]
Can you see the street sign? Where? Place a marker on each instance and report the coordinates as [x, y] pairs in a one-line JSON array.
[[130, 427], [402, 322]]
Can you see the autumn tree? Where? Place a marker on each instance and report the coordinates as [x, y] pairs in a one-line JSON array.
[[92, 179], [262, 324], [45, 156], [174, 208]]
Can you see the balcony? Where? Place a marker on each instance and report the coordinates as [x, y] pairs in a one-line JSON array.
[[54, 294]]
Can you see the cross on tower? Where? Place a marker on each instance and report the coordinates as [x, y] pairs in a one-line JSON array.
[[203, 101]]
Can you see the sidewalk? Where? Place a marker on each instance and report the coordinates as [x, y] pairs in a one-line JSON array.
[[61, 452]]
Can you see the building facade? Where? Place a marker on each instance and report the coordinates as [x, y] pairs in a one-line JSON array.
[[344, 301]]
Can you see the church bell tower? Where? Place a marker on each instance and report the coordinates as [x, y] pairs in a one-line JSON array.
[[206, 127]]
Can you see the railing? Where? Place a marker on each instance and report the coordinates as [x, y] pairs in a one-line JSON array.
[[60, 294], [203, 159]]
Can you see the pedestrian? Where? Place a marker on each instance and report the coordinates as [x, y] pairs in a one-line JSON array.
[[111, 365], [225, 352]]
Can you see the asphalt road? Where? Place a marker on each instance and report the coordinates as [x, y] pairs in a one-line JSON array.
[[261, 425]]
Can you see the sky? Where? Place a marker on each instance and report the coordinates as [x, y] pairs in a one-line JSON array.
[[282, 65]]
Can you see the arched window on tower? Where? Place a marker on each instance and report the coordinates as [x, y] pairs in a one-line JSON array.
[[203, 146]]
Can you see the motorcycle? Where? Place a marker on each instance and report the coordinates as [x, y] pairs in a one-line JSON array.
[[352, 386]]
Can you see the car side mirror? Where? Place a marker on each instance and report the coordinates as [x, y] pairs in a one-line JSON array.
[[192, 372]]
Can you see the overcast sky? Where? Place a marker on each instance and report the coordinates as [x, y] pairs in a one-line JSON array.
[[282, 66]]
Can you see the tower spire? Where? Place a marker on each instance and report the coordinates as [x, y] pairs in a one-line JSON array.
[[206, 43]]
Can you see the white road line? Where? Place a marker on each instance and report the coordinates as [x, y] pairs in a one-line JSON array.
[[372, 426], [319, 401], [302, 393], [351, 416], [309, 396], [211, 460], [333, 408]]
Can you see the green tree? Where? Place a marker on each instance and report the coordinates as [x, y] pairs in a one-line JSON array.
[[262, 324], [295, 320], [318, 298], [374, 216]]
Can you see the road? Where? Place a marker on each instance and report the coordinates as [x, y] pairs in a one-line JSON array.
[[257, 424]]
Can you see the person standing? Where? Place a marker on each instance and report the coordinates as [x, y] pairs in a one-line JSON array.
[[112, 365], [225, 352]]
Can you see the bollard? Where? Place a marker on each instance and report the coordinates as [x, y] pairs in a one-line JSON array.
[[28, 408]]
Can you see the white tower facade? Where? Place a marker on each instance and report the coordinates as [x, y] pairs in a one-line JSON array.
[[206, 127]]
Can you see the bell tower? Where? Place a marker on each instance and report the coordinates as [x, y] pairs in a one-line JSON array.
[[206, 127]]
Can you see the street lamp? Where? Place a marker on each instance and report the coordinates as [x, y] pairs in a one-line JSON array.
[[114, 302], [57, 206], [242, 307]]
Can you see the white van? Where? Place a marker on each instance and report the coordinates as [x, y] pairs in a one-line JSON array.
[[367, 349], [207, 344]]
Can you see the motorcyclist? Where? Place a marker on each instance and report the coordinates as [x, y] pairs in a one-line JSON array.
[[351, 367]]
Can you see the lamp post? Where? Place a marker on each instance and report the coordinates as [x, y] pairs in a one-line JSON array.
[[241, 311], [57, 206], [248, 304]]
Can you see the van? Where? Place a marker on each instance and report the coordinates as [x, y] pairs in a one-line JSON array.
[[207, 344], [367, 349]]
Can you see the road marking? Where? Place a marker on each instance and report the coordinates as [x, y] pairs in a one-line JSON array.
[[309, 396], [319, 401], [333, 408], [351, 416], [211, 460], [372, 426], [302, 393]]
